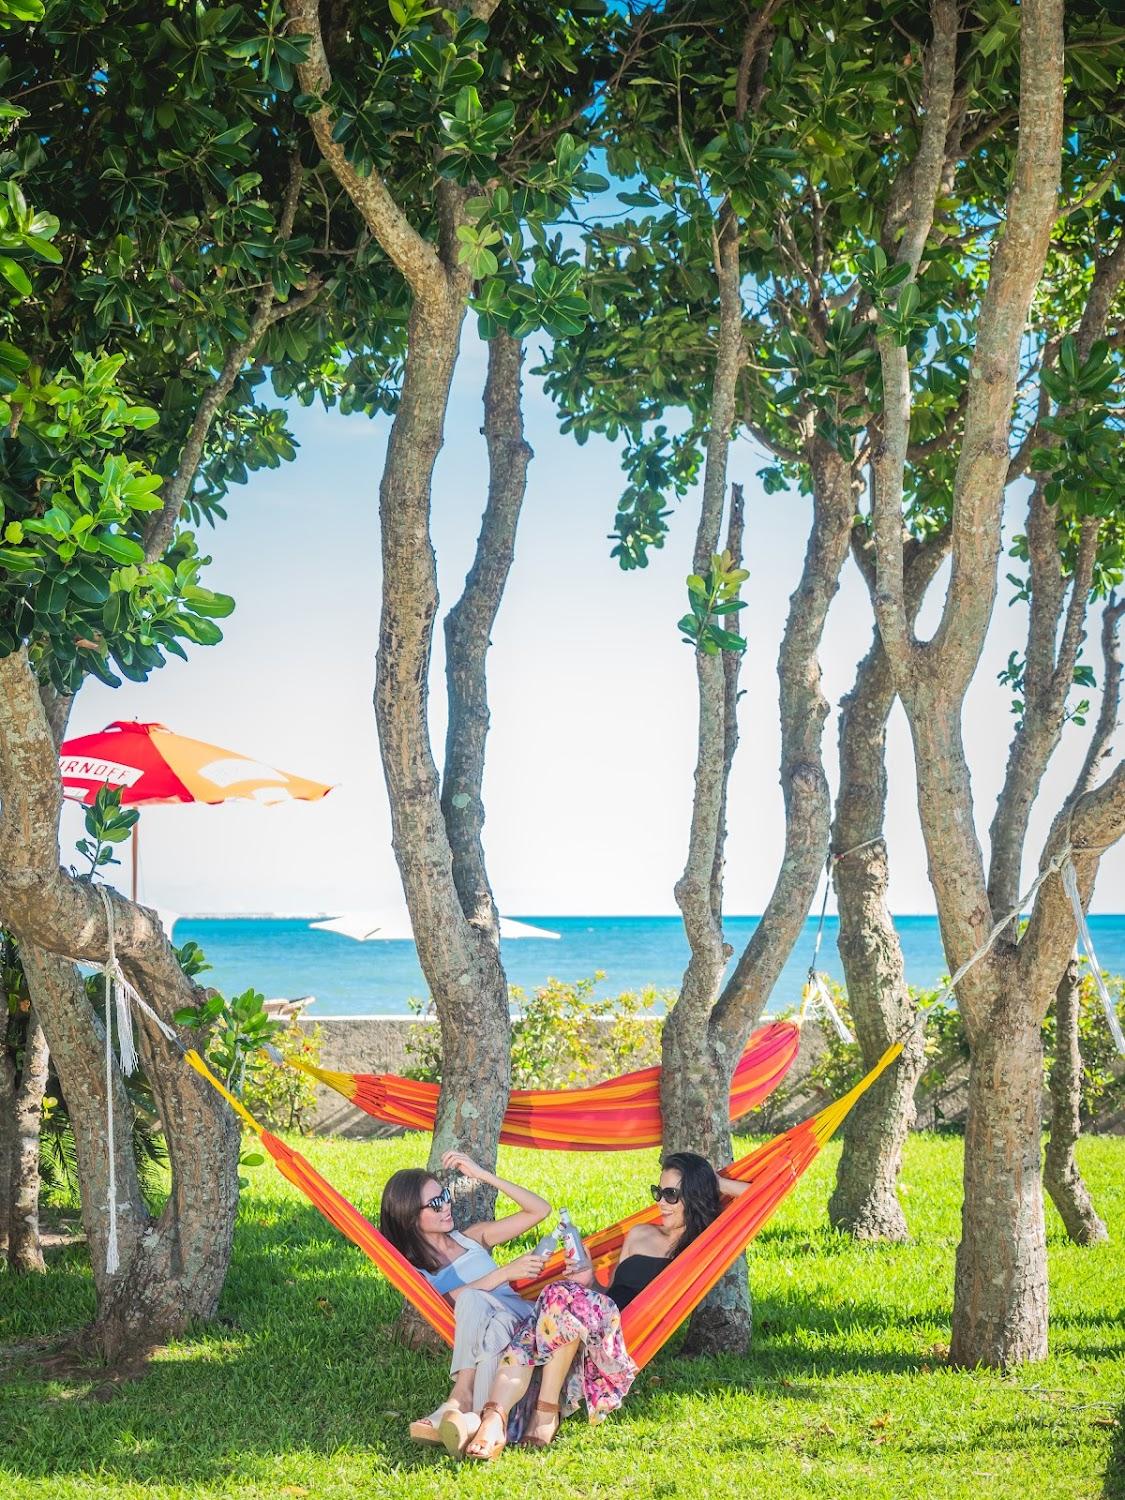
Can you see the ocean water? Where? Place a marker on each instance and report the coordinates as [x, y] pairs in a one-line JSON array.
[[285, 956]]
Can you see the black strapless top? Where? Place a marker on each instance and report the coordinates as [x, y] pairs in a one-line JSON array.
[[632, 1276]]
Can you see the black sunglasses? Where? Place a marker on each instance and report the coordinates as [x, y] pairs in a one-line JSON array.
[[444, 1198], [670, 1195]]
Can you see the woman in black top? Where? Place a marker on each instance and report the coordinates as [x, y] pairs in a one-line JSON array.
[[689, 1195]]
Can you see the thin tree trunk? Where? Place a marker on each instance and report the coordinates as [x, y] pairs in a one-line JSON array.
[[695, 1077], [7, 1128], [1000, 1303], [1061, 1175], [461, 962], [804, 785], [24, 1250], [1000, 1289], [864, 1202], [468, 627]]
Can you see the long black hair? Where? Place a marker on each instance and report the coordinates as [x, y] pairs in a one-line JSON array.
[[702, 1199], [399, 1209]]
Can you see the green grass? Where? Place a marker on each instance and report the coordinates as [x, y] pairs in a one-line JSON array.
[[298, 1391]]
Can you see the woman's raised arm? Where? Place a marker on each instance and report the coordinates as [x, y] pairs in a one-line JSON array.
[[533, 1208]]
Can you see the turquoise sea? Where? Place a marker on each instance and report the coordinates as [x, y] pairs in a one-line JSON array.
[[284, 956]]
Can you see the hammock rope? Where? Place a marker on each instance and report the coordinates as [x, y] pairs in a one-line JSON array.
[[772, 1171], [622, 1114], [816, 997], [1070, 885]]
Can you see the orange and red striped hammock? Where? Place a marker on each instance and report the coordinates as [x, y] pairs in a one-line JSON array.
[[772, 1171], [622, 1114]]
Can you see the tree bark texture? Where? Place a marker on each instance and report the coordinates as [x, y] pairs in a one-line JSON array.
[[438, 849], [1000, 1287], [1048, 678], [695, 1078], [803, 712], [172, 1266], [7, 1125], [1061, 1175], [24, 1250], [864, 1202], [461, 962], [999, 1314], [1052, 653], [468, 627]]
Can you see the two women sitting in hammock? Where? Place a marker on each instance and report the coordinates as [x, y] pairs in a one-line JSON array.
[[572, 1333]]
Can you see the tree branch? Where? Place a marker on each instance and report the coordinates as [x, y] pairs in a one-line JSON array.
[[1017, 266], [1102, 737], [267, 312], [1093, 823], [410, 252], [913, 208], [804, 784], [755, 29], [468, 627]]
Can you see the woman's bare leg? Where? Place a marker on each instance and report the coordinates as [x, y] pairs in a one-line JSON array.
[[462, 1393], [543, 1425], [512, 1380]]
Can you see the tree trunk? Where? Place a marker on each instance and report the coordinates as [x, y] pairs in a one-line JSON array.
[[468, 627], [24, 1250], [7, 1128], [1061, 1176], [864, 1203], [172, 1266], [696, 1072], [1000, 1287], [461, 962]]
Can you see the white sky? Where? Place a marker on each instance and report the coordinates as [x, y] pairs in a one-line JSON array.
[[590, 758]]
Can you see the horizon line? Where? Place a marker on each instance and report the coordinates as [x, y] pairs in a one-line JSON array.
[[284, 916]]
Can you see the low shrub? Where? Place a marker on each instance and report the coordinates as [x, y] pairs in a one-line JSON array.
[[947, 1053], [563, 1036]]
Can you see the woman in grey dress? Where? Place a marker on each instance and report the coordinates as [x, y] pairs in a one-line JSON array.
[[416, 1215]]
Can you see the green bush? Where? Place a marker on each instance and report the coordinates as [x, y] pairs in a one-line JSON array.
[[284, 1098], [562, 1037]]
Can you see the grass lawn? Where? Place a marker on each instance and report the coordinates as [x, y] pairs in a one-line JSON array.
[[298, 1391]]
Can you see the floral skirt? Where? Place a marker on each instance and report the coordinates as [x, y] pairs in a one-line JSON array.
[[603, 1369]]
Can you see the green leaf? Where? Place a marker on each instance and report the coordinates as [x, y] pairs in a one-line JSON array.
[[14, 274]]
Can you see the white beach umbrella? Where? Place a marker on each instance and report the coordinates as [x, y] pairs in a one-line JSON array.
[[393, 925]]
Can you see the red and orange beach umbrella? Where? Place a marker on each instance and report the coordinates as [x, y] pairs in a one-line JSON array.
[[147, 763]]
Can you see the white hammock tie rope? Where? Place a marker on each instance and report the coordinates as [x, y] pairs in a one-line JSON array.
[[816, 998], [118, 995], [1070, 886]]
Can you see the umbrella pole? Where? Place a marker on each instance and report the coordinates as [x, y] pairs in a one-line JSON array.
[[136, 831]]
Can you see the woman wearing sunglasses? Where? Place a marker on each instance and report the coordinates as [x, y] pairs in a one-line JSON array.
[[570, 1316], [416, 1215]]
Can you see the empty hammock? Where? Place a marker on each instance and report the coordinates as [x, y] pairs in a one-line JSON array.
[[655, 1313], [622, 1114]]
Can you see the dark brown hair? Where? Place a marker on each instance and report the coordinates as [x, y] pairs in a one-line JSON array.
[[398, 1216], [702, 1197]]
